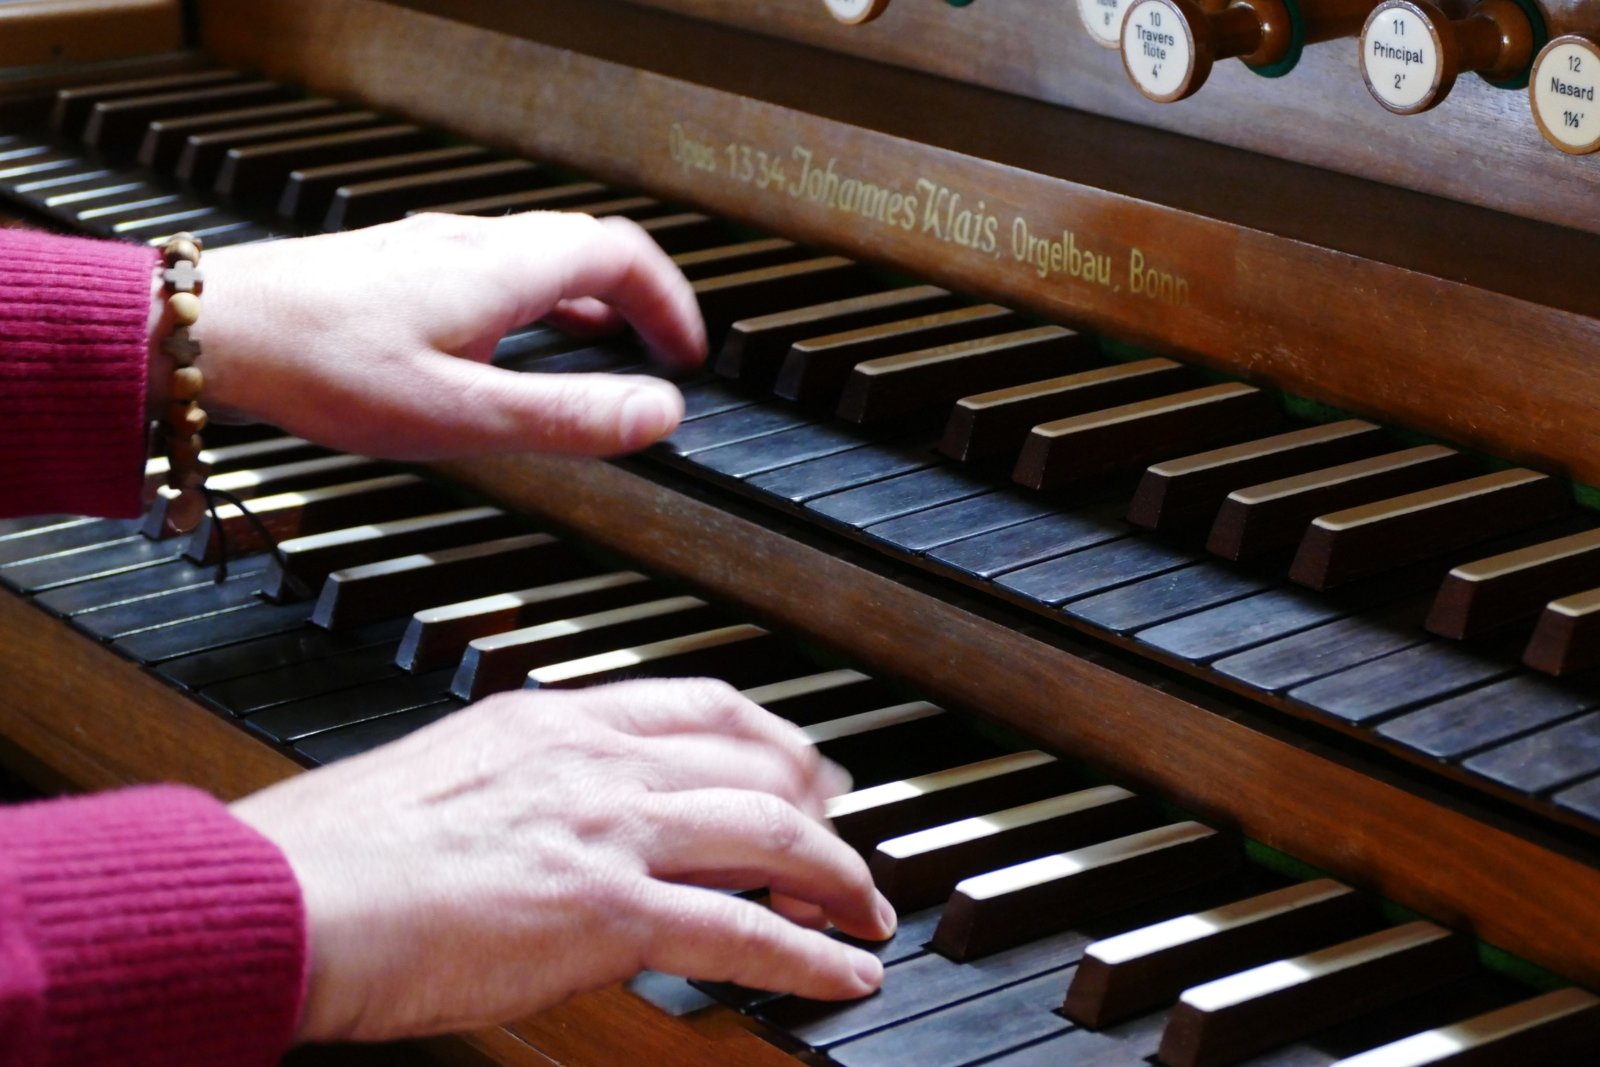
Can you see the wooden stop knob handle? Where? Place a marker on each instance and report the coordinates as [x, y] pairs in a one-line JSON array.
[[1412, 53]]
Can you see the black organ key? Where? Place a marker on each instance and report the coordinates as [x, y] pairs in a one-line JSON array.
[[1182, 496], [1232, 1018], [739, 256], [989, 555], [1546, 760], [301, 681], [96, 561], [1383, 536], [1479, 718], [1423, 673], [946, 523], [1133, 1043], [730, 427], [309, 193], [920, 869], [182, 605], [899, 741], [1092, 570], [806, 481], [1166, 596], [73, 106], [549, 198], [900, 495], [153, 580], [259, 619], [268, 452], [295, 514], [1512, 587], [437, 636], [817, 368], [1145, 968], [502, 661], [1242, 624], [784, 448], [257, 172], [995, 424], [1064, 451], [293, 722], [867, 816], [365, 203], [347, 741], [1321, 650], [754, 349], [1272, 516], [926, 381], [68, 536], [1559, 1027], [164, 139], [398, 587], [812, 698], [117, 127], [706, 398], [299, 645], [201, 155], [998, 909], [680, 232], [300, 564]]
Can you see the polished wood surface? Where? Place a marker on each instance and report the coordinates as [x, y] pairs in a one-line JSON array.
[[1270, 270], [36, 32]]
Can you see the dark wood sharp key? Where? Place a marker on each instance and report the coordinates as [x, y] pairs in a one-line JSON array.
[[72, 107], [867, 816], [299, 566], [1143, 969], [1382, 536], [1261, 519], [309, 191], [736, 257], [1182, 496], [994, 424], [267, 481], [1512, 587], [365, 203], [296, 514], [1554, 1030], [683, 231], [818, 367], [437, 637], [201, 156], [502, 661], [920, 869], [550, 198], [256, 173], [754, 348], [742, 655], [164, 138], [116, 128], [894, 387], [808, 699], [726, 298], [1566, 639], [1059, 453], [1233, 1018], [996, 910]]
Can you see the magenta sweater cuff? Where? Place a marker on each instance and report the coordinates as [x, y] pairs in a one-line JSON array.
[[145, 928], [74, 355]]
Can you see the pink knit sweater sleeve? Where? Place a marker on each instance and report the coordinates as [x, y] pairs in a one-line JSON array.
[[74, 321], [145, 928]]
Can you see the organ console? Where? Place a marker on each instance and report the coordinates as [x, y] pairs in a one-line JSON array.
[[1109, 486]]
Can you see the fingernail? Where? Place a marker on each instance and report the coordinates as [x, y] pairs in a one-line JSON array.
[[648, 415], [887, 919], [867, 968], [836, 781]]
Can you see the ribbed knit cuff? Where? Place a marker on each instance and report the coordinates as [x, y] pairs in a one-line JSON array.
[[74, 355], [165, 931]]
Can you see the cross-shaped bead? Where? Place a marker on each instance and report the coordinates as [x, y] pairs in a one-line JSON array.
[[183, 349], [183, 276]]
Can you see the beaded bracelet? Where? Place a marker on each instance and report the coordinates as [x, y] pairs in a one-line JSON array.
[[181, 285]]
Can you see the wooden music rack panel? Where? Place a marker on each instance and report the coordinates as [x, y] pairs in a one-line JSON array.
[[1266, 269]]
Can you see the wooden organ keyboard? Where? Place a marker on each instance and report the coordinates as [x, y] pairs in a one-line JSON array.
[[1256, 612]]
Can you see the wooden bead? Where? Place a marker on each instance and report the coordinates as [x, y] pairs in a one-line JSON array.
[[186, 383], [185, 419], [185, 308], [184, 451], [180, 249]]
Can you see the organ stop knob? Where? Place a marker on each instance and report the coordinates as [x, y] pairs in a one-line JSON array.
[[1562, 89], [1169, 46], [1411, 52], [855, 12]]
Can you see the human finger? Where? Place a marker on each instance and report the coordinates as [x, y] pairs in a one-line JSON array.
[[708, 761], [722, 830], [707, 935], [447, 406], [611, 260], [585, 317]]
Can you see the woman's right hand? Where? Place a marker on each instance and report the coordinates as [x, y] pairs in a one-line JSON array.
[[541, 844]]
